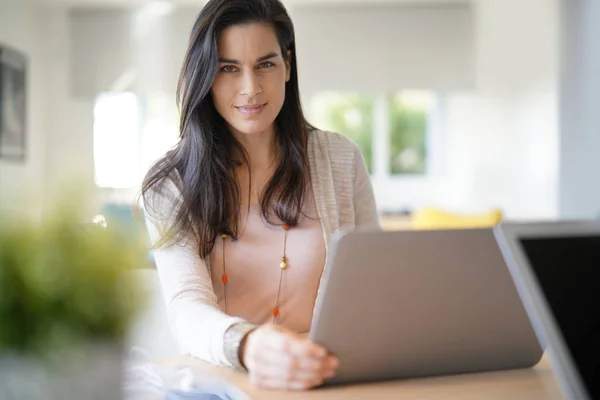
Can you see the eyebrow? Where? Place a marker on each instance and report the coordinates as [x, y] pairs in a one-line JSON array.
[[259, 59]]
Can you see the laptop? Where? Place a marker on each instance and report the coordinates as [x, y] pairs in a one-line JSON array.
[[556, 268], [409, 304]]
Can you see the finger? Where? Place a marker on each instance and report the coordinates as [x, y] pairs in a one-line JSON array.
[[288, 376], [330, 367], [303, 347], [283, 360], [287, 368], [271, 363], [304, 385], [284, 339], [332, 362], [294, 345], [283, 384], [260, 350], [287, 373]]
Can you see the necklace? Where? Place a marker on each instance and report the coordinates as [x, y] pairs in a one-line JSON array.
[[282, 267]]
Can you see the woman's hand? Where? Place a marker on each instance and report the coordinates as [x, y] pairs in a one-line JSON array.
[[277, 358]]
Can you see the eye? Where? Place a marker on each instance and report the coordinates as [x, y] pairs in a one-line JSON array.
[[228, 68], [266, 64]]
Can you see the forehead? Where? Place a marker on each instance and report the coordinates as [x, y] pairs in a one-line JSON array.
[[248, 41]]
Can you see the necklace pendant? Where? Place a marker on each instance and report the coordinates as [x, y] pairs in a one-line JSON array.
[[276, 312], [224, 279], [283, 263]]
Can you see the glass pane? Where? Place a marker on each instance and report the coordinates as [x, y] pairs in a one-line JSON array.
[[160, 131], [409, 112], [350, 114], [116, 141]]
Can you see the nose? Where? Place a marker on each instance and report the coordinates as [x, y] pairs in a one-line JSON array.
[[250, 84]]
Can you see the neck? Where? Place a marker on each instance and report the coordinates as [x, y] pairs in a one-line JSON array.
[[260, 148]]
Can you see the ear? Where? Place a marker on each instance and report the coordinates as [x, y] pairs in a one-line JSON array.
[[288, 66]]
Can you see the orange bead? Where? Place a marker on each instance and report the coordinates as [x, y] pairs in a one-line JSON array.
[[224, 279], [276, 311], [286, 227]]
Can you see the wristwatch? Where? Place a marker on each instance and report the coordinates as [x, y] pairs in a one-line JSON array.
[[232, 340]]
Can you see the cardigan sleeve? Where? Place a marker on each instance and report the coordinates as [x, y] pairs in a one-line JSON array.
[[194, 316]]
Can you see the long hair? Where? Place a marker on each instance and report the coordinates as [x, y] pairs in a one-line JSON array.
[[202, 164]]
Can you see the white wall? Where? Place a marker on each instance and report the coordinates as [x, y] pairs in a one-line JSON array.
[[21, 184], [69, 119], [580, 105], [503, 137]]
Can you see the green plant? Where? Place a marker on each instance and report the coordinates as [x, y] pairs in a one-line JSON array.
[[63, 282]]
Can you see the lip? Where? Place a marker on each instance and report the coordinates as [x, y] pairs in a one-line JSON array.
[[251, 109]]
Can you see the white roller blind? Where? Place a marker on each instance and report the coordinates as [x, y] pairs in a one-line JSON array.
[[340, 47], [110, 47], [383, 48], [101, 49]]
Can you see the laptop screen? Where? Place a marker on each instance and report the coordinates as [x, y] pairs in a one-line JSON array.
[[568, 272]]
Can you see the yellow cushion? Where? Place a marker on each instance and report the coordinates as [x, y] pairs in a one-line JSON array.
[[432, 218]]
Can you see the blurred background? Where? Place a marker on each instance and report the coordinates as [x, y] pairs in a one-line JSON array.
[[461, 105]]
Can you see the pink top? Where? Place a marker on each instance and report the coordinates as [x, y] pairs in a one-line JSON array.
[[252, 266]]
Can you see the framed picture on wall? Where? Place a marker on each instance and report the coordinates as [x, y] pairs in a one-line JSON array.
[[13, 104]]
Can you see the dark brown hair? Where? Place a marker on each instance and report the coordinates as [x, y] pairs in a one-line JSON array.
[[202, 164]]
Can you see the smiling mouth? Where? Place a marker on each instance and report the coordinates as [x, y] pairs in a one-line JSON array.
[[251, 109]]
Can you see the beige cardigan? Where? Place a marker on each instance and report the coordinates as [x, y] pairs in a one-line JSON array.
[[344, 199]]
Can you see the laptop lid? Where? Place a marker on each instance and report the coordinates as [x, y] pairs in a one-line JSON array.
[[556, 268], [420, 303]]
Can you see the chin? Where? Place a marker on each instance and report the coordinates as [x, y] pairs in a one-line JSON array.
[[252, 131], [253, 127]]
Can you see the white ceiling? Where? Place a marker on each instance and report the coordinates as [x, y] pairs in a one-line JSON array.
[[197, 3]]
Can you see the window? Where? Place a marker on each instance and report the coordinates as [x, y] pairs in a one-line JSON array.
[[130, 133], [116, 141], [408, 115], [347, 113], [390, 129], [160, 130]]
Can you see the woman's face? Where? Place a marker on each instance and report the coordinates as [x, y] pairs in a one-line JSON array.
[[249, 89]]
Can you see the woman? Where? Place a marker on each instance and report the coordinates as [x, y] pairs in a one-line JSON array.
[[241, 210]]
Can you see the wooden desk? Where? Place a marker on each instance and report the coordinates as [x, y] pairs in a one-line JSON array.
[[526, 384]]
